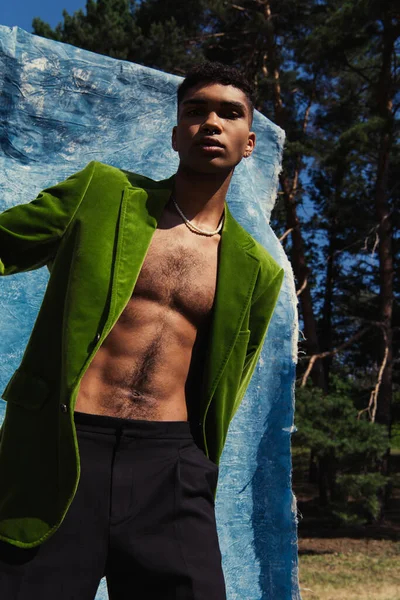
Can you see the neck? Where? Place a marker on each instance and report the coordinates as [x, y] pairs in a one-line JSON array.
[[201, 196]]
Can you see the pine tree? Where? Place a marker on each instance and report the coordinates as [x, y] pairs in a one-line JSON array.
[[154, 33], [355, 45]]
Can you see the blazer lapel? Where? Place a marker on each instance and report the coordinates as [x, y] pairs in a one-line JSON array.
[[140, 211], [237, 273], [139, 214]]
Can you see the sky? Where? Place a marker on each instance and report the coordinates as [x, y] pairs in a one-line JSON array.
[[21, 12]]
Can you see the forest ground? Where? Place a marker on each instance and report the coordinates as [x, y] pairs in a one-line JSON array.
[[346, 563]]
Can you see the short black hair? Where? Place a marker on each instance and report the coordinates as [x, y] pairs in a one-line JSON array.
[[215, 72]]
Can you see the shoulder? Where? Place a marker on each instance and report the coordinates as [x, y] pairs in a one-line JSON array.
[[111, 175], [269, 267], [270, 273], [268, 264]]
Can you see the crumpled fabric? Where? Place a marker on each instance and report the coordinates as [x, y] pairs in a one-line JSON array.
[[61, 107]]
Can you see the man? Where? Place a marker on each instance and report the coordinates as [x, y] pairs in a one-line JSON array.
[[154, 316]]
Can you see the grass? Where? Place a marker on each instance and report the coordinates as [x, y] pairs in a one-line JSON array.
[[360, 570], [353, 563]]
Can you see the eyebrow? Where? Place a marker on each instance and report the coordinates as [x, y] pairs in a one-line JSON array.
[[225, 103]]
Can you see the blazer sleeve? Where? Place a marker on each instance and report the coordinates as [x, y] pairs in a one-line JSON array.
[[30, 233], [261, 311]]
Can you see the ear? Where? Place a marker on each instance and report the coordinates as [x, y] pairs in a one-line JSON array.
[[174, 144], [251, 142]]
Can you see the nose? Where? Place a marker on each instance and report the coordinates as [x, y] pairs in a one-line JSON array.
[[211, 124]]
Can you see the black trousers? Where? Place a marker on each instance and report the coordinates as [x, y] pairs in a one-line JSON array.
[[143, 516]]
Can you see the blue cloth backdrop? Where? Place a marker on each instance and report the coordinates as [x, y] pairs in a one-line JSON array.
[[61, 107]]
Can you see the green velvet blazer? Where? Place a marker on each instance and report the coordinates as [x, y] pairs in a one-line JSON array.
[[93, 231]]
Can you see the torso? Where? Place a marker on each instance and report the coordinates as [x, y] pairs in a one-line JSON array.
[[150, 365]]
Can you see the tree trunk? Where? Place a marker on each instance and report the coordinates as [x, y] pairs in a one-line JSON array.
[[326, 321], [322, 482], [289, 188], [325, 333], [301, 272], [384, 104]]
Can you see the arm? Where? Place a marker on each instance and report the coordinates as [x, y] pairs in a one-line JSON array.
[[30, 233]]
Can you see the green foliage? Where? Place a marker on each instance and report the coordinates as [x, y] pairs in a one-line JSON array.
[[395, 433], [364, 490], [152, 33], [330, 426], [348, 450], [107, 27], [395, 437]]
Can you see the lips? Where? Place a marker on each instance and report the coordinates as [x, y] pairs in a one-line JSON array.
[[210, 142]]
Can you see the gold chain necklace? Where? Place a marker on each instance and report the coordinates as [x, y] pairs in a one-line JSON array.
[[193, 227]]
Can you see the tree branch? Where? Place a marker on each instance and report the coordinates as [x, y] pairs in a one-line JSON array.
[[358, 71], [286, 234], [374, 229], [373, 399], [315, 357], [242, 8], [303, 287]]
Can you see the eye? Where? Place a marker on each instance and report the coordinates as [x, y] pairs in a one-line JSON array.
[[232, 115], [192, 112]]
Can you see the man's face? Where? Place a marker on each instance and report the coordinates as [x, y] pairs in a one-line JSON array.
[[213, 132]]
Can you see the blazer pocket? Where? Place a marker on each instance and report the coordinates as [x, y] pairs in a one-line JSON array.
[[26, 390]]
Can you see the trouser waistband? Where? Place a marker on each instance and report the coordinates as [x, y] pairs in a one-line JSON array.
[[133, 427]]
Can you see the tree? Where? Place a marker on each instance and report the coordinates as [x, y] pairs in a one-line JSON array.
[[153, 33], [363, 50], [347, 450]]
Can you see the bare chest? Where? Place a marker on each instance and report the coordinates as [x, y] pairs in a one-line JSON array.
[[180, 272]]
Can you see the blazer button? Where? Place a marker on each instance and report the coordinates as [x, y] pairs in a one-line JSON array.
[[63, 408]]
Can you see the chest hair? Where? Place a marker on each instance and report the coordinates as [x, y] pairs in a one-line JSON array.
[[178, 275]]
